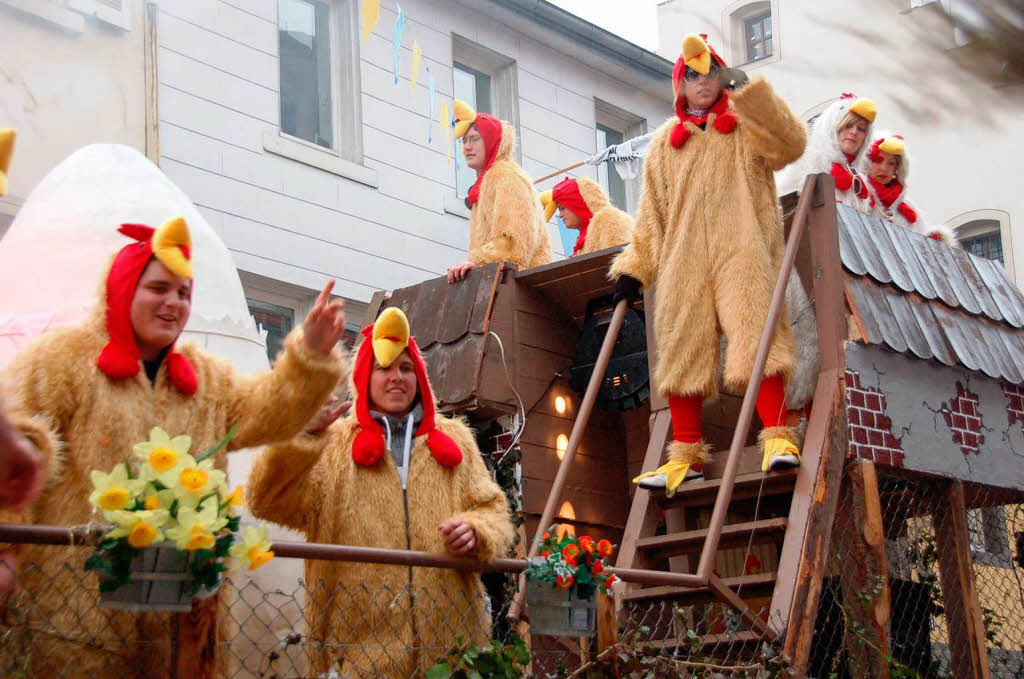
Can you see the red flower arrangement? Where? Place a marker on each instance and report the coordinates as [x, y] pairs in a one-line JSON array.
[[570, 561]]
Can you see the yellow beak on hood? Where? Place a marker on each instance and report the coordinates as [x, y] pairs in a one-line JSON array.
[[170, 243], [464, 117], [865, 108], [390, 336], [6, 151], [893, 145], [696, 54], [548, 201]]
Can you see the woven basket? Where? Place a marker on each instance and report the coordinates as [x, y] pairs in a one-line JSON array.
[[160, 582], [561, 612]]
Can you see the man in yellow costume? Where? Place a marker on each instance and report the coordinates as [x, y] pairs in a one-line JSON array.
[[505, 223], [709, 233], [584, 206], [85, 395]]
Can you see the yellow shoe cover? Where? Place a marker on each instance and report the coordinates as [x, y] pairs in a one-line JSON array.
[[675, 473], [775, 447]]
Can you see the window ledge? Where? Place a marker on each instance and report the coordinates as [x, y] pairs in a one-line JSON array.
[[455, 206], [63, 18], [280, 145], [773, 59]]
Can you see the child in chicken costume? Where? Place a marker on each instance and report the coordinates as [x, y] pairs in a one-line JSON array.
[[601, 224], [504, 221], [887, 167], [388, 481], [84, 396], [825, 153], [709, 233]]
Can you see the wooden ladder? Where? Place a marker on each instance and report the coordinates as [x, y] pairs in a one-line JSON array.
[[782, 518]]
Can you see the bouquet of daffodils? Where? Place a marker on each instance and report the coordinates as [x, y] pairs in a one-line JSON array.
[[165, 495], [567, 560]]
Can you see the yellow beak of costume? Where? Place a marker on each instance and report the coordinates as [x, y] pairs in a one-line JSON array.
[[548, 201], [172, 245], [893, 146], [464, 117], [696, 54], [390, 336], [6, 151], [865, 108]]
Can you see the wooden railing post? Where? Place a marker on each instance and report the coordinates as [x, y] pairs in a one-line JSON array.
[[195, 647]]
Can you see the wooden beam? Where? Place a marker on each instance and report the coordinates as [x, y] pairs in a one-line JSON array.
[[196, 631], [151, 83], [863, 577], [642, 519], [607, 623], [969, 654]]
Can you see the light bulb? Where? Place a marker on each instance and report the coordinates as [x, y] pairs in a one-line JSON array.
[[560, 405], [561, 443]]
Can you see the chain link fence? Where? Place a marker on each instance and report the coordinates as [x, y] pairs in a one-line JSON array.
[[926, 582]]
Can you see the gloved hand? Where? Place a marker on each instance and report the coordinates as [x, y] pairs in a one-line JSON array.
[[732, 78], [627, 288]]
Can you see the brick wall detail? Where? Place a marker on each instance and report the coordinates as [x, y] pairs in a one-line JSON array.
[[1015, 404], [963, 417], [870, 429]]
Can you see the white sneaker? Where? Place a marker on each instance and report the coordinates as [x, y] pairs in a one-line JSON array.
[[660, 481], [783, 461]]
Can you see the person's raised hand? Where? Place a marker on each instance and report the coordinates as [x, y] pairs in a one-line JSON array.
[[331, 411], [21, 473], [325, 323], [459, 537], [459, 271]]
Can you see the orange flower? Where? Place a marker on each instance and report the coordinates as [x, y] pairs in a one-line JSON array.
[[610, 581], [587, 543], [545, 554], [571, 561], [604, 548], [597, 567], [564, 582], [570, 551], [546, 536]]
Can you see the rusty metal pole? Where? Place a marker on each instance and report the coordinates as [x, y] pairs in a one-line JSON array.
[[707, 555], [578, 427]]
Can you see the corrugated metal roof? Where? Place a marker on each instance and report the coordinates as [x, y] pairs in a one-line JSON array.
[[919, 296]]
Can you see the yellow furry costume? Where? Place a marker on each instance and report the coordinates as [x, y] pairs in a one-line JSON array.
[[505, 222], [385, 621], [81, 420], [602, 225], [709, 232]]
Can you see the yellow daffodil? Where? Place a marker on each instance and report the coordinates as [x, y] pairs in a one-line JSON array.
[[115, 490], [162, 454], [254, 547], [142, 528], [236, 498], [197, 529], [194, 480], [157, 499]]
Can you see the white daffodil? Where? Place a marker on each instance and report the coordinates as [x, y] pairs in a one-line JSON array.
[[142, 528], [254, 548], [197, 529], [162, 456], [115, 490]]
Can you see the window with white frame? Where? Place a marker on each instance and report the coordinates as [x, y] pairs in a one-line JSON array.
[[615, 126], [319, 71], [474, 88], [982, 237], [757, 33], [486, 80]]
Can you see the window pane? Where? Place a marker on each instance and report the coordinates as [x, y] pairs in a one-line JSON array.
[[988, 245], [304, 39], [474, 88], [276, 320], [607, 175], [758, 31]]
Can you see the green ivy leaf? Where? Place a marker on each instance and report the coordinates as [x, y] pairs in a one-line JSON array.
[[441, 670]]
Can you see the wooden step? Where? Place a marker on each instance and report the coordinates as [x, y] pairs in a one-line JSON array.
[[758, 585], [733, 535], [702, 493]]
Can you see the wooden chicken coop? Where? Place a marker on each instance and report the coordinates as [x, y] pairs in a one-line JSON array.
[[917, 406]]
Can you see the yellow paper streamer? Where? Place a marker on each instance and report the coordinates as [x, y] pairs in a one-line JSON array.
[[371, 15], [446, 125], [417, 56]]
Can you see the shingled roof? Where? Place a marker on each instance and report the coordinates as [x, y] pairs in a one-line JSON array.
[[918, 296]]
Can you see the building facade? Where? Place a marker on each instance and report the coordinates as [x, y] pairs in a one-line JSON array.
[[954, 105], [288, 129]]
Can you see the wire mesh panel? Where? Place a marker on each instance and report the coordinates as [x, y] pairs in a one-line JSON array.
[[946, 594]]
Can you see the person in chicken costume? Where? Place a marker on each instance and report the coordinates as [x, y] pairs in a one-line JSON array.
[[584, 206], [20, 464], [505, 222], [393, 474], [85, 395], [709, 233], [887, 167], [837, 146]]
